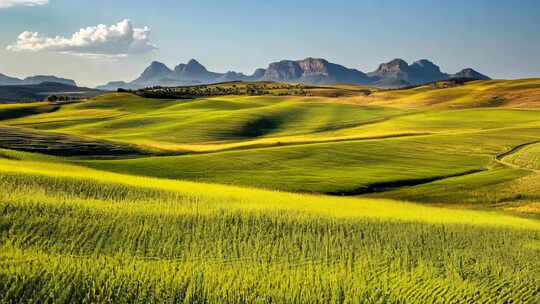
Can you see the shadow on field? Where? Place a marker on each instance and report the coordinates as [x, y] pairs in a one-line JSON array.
[[62, 145], [27, 111], [258, 127], [393, 185]]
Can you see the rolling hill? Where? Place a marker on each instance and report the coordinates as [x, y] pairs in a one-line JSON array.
[[76, 234], [274, 193], [372, 144]]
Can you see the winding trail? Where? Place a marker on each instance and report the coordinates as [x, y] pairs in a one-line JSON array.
[[500, 158]]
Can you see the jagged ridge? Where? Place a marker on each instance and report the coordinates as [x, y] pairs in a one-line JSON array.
[[393, 74]]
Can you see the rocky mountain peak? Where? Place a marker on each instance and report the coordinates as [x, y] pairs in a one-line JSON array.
[[193, 70], [313, 71], [258, 74], [424, 63], [154, 72], [193, 61], [423, 71], [398, 73], [156, 67], [312, 65], [285, 70], [396, 65], [194, 65]]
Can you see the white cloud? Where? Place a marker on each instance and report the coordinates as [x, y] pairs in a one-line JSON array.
[[101, 41], [11, 3]]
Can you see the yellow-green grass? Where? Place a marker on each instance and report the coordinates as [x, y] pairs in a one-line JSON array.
[[75, 231], [177, 125], [328, 167], [224, 123], [353, 166], [317, 144], [71, 234], [523, 93], [131, 113], [451, 122], [312, 144], [500, 187]]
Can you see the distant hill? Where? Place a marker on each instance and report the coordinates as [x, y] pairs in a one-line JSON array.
[[398, 73], [7, 80], [46, 78], [114, 85], [470, 74], [37, 92], [316, 71]]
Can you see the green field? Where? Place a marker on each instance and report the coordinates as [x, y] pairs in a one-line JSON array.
[[424, 195]]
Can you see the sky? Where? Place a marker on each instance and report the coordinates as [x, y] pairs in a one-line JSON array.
[[98, 41]]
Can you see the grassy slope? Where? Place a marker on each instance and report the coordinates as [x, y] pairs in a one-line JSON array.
[[522, 93], [328, 167], [74, 234], [345, 166], [319, 144], [225, 122], [69, 233], [186, 125]]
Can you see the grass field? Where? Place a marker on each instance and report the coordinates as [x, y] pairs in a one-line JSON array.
[[71, 234], [124, 199]]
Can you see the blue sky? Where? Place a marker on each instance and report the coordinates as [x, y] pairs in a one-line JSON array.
[[499, 38]]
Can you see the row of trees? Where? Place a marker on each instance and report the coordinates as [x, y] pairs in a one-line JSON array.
[[60, 98], [216, 90]]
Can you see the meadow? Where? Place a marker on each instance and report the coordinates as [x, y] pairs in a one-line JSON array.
[[423, 195], [71, 234]]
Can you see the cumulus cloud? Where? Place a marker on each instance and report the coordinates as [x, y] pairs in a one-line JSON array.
[[11, 3], [101, 41]]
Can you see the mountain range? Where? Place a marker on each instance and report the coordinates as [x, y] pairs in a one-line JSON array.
[[316, 71], [394, 74], [34, 80], [36, 88], [190, 73]]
